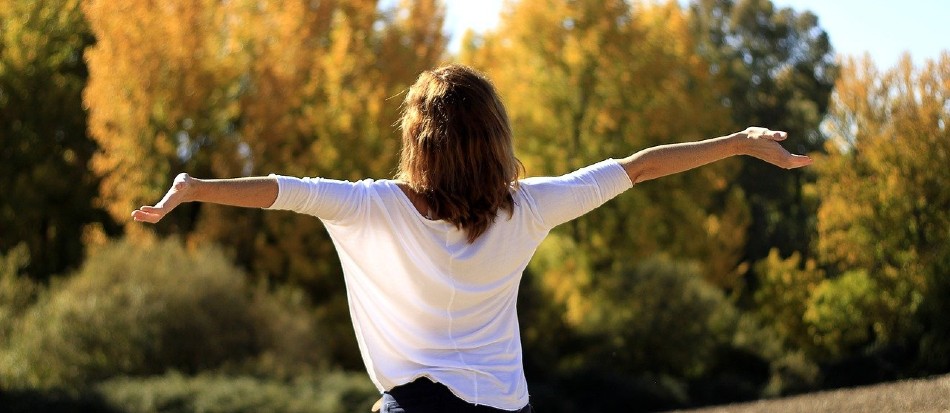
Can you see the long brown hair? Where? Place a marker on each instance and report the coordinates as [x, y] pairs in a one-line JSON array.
[[456, 148]]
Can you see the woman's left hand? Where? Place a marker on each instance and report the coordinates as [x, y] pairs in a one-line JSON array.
[[764, 144], [181, 191]]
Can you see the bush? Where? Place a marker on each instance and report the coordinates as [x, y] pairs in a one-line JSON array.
[[17, 295], [782, 295], [286, 332], [736, 374], [136, 309], [840, 315], [792, 373], [662, 317], [17, 292], [336, 392]]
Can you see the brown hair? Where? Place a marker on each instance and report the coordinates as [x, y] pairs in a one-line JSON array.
[[456, 148]]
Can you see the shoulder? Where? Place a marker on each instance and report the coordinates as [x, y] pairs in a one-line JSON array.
[[607, 173], [326, 198]]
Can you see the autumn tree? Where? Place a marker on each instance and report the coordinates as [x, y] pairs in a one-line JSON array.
[[779, 67], [157, 99], [883, 217], [250, 88], [588, 80], [44, 150], [585, 81]]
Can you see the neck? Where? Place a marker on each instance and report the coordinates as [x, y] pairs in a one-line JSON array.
[[417, 200]]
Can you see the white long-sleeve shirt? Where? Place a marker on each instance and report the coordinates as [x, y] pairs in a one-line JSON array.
[[426, 303]]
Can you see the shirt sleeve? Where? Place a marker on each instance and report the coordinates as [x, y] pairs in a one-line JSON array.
[[327, 199], [560, 199]]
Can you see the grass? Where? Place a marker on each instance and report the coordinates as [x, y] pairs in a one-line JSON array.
[[930, 395]]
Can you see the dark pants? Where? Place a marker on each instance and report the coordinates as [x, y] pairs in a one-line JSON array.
[[425, 396]]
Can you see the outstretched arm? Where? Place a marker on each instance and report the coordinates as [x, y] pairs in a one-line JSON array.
[[257, 192], [669, 159]]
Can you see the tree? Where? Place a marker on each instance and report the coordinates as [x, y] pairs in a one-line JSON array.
[[884, 199], [780, 70], [588, 80], [44, 149], [249, 88], [584, 81]]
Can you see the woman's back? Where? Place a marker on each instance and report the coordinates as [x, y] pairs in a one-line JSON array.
[[425, 301]]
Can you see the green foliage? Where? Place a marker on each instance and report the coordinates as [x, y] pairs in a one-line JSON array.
[[658, 316], [793, 372], [841, 313], [286, 331], [334, 392], [565, 277], [139, 308], [785, 287], [645, 332], [329, 392], [661, 317], [17, 291]]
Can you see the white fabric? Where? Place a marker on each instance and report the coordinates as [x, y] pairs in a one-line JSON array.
[[426, 303]]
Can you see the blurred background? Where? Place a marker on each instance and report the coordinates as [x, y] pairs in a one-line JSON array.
[[733, 282]]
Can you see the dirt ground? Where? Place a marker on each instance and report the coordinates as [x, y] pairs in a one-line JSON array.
[[913, 396]]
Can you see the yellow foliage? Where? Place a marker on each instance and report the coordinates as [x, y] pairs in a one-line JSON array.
[[883, 183], [566, 275], [784, 290], [585, 81], [249, 88]]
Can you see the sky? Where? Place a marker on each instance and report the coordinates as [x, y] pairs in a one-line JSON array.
[[883, 28]]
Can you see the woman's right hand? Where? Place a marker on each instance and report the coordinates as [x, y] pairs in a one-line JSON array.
[[182, 190]]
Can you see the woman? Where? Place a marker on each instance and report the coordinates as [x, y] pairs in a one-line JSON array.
[[432, 259]]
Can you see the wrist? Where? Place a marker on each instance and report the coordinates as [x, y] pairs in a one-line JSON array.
[[188, 187], [739, 143], [196, 189]]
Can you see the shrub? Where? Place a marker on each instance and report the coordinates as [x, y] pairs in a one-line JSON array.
[[661, 317], [840, 315], [17, 295], [335, 392], [286, 332], [142, 309], [792, 373], [17, 292], [781, 298]]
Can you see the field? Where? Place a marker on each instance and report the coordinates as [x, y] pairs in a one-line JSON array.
[[912, 396]]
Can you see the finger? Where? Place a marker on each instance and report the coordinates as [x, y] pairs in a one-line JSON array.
[[798, 161], [152, 209], [149, 217]]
